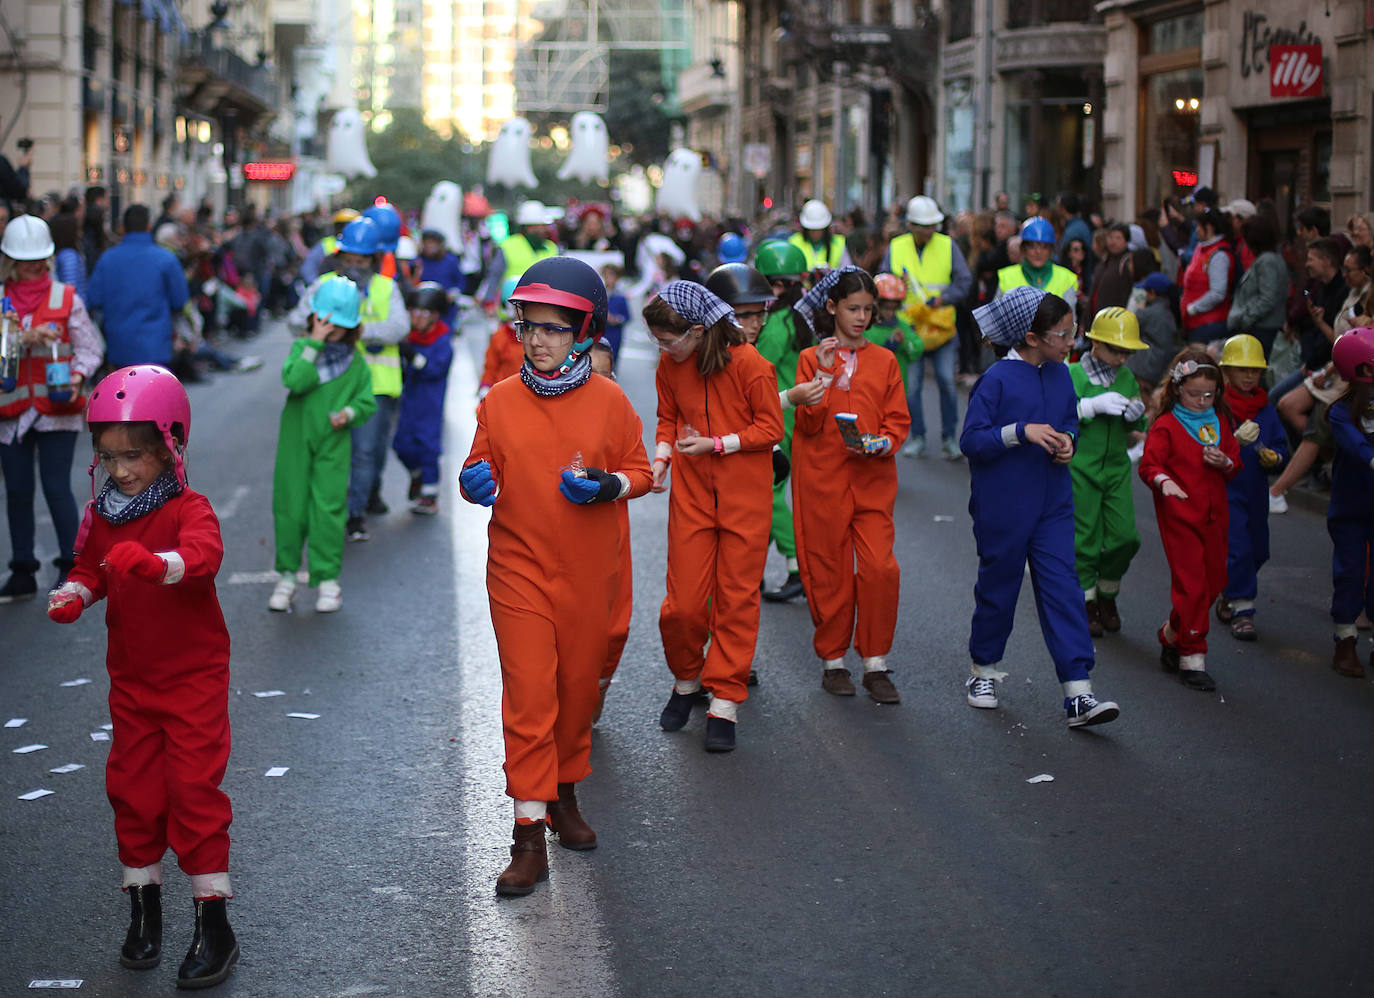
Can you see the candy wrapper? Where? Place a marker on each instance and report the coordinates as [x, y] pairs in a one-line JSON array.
[[576, 466], [848, 424], [874, 443]]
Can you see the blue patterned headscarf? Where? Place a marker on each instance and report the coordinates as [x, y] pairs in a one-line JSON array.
[[1005, 321], [695, 303], [814, 300]]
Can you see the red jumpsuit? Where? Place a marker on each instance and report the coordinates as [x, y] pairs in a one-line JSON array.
[[168, 658], [719, 510], [504, 356], [552, 575], [1193, 530], [842, 505]]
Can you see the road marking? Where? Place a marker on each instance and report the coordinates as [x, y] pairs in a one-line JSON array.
[[229, 508], [252, 578], [555, 939]]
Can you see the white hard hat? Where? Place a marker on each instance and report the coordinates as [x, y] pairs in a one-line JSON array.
[[532, 213], [922, 210], [1241, 207], [406, 249], [815, 215], [27, 238]]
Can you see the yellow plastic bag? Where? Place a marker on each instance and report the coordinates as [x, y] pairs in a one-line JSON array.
[[935, 326]]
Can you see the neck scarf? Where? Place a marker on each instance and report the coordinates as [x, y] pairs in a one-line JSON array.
[[1100, 374], [1038, 277], [430, 336], [548, 386], [333, 360], [1204, 427], [1245, 407], [26, 296], [118, 509]]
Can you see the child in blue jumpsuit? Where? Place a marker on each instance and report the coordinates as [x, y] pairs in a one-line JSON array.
[[1019, 439], [1350, 518], [428, 354]]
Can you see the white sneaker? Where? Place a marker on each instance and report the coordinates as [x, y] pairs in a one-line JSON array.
[[951, 450], [283, 594], [981, 692], [330, 596], [915, 447], [1278, 504]]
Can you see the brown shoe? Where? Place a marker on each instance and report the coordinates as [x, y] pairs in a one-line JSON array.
[[1094, 620], [880, 688], [529, 862], [1106, 613], [837, 682], [565, 819], [1346, 660]]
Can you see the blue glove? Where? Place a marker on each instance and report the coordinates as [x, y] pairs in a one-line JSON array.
[[598, 486], [477, 483]]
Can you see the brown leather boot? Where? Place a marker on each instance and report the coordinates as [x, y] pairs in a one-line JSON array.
[[529, 862], [1346, 660], [1094, 620], [565, 819], [1106, 613]]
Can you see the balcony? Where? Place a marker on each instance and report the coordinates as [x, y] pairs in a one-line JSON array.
[[1037, 13], [212, 78], [700, 88]]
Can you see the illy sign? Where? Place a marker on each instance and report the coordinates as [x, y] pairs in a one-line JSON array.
[[1295, 71]]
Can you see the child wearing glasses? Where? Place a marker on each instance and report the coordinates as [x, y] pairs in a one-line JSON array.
[[328, 392], [1190, 455], [151, 547], [718, 417], [1019, 435], [556, 452]]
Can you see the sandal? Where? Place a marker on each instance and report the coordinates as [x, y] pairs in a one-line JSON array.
[[1224, 612], [1243, 628]]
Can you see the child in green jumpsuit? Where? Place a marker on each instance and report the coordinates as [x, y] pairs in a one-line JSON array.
[[892, 331], [1109, 409], [329, 391]]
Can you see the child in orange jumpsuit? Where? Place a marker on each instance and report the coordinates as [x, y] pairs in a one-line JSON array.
[[843, 492], [151, 546], [504, 351], [1190, 455], [718, 411], [552, 589], [603, 363]]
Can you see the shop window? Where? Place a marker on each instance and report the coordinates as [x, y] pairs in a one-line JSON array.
[[1171, 133], [1174, 34], [959, 146]]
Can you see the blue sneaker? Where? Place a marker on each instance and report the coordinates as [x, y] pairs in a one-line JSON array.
[[1085, 709]]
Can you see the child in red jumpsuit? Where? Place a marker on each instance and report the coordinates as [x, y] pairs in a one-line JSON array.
[[555, 452], [151, 546], [843, 491], [718, 410], [1190, 455]]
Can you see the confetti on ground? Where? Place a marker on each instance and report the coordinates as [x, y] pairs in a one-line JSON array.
[[303, 716], [16, 722], [70, 767], [69, 984], [75, 682], [100, 736], [270, 693], [26, 749], [35, 794], [1042, 778], [277, 771]]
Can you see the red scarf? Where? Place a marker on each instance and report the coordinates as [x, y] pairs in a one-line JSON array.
[[27, 296], [1245, 407], [427, 337]]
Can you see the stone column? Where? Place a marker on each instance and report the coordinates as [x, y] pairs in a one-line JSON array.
[[1034, 85]]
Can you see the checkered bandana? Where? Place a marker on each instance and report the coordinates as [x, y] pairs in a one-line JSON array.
[[814, 300], [696, 304], [1006, 320]]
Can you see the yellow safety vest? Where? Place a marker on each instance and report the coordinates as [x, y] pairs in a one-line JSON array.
[[927, 272], [835, 251], [330, 244], [521, 256], [385, 365], [1061, 279]]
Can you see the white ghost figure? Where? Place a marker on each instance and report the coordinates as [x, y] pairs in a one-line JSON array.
[[677, 195], [443, 210], [347, 150], [508, 164], [589, 157]]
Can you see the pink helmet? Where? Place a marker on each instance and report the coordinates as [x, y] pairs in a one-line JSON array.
[[890, 286], [1352, 350], [144, 393]]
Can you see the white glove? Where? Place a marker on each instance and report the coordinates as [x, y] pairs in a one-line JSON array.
[[1135, 408], [1107, 404], [1247, 432], [1371, 464]]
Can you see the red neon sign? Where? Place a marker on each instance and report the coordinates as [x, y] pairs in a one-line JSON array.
[[269, 173], [1185, 178]]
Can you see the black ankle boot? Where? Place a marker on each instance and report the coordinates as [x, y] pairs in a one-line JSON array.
[[214, 949], [143, 945], [21, 584]]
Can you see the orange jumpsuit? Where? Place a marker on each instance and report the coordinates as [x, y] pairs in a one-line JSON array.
[[623, 607], [504, 356], [551, 576], [719, 510], [842, 505]]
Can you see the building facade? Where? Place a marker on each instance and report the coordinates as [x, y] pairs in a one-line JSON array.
[[706, 95]]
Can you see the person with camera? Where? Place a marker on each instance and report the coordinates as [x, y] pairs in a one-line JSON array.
[[14, 182]]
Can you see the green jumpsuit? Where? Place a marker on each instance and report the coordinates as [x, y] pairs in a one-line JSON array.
[[310, 481], [908, 352], [778, 344], [1105, 538]]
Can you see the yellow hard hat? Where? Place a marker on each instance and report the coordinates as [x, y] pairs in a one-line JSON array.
[[345, 215], [1118, 328], [1243, 351]]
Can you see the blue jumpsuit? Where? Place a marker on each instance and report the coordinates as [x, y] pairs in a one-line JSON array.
[[1022, 509], [447, 272], [1247, 496], [1350, 517], [420, 427]]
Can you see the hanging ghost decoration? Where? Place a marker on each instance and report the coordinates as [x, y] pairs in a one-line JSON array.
[[508, 164], [346, 153], [589, 156], [443, 211], [677, 195]]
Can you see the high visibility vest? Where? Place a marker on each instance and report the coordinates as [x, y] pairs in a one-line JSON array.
[[31, 385], [330, 244], [834, 251], [1062, 279], [521, 256], [927, 273], [385, 364]]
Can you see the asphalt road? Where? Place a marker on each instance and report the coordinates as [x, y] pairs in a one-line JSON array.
[[1204, 844]]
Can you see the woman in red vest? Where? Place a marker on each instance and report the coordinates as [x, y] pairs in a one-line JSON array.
[[1209, 281], [48, 349]]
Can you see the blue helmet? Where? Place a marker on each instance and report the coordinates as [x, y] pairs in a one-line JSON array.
[[388, 222], [338, 300], [732, 248], [360, 236], [570, 284], [1037, 230]]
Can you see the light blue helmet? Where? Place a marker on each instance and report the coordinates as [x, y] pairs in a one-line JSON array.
[[338, 300], [732, 248], [360, 236], [388, 222], [1037, 230]]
